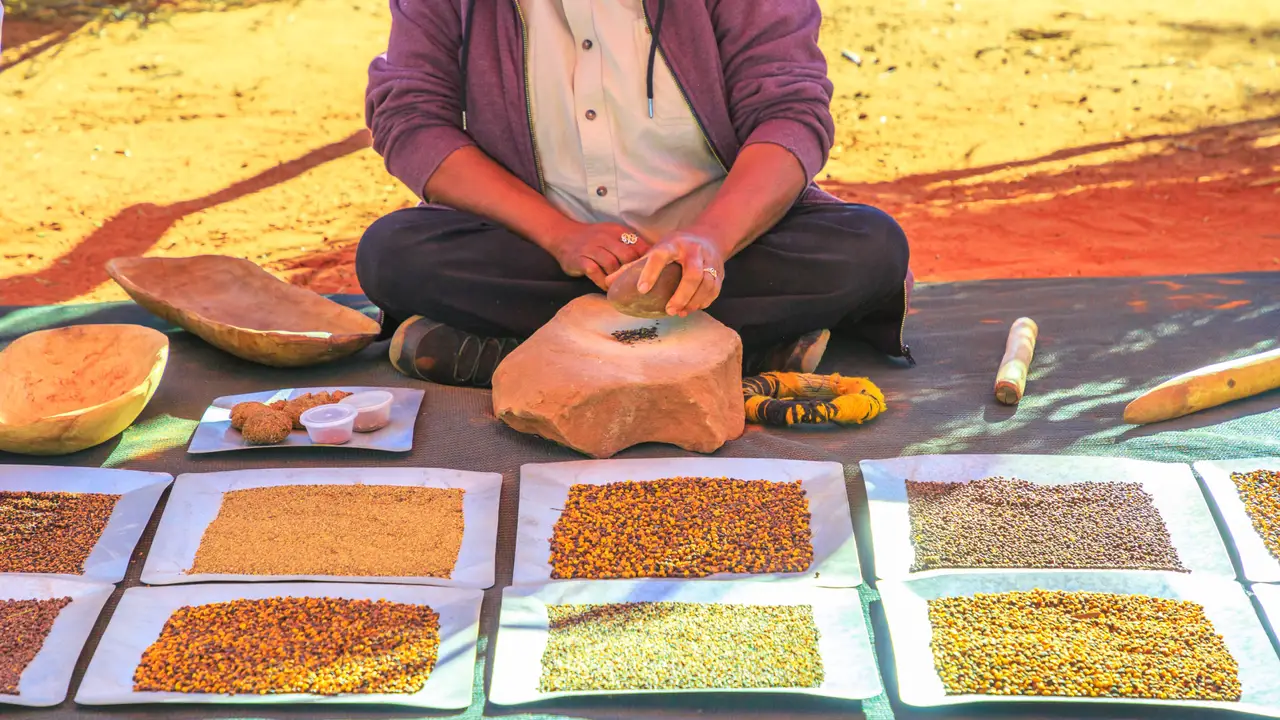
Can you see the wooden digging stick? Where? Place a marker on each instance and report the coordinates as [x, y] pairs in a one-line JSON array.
[[1207, 387], [1011, 379]]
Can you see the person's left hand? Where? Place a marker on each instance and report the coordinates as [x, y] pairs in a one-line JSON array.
[[703, 266]]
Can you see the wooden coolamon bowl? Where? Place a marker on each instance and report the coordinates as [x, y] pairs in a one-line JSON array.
[[65, 390], [238, 307]]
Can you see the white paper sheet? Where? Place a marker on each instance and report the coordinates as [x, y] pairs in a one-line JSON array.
[[197, 498], [849, 667], [545, 488], [1172, 487], [139, 492], [1225, 604], [214, 433], [44, 681], [142, 613], [1257, 562]]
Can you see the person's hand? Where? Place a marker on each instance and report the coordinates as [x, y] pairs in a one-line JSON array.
[[703, 271], [597, 250]]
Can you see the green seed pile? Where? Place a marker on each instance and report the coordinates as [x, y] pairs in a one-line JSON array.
[[1000, 523], [365, 530], [51, 532], [1080, 644], [682, 527], [322, 646], [24, 624], [680, 646], [1260, 492]]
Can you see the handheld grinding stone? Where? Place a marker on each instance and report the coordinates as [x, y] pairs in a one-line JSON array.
[[628, 300]]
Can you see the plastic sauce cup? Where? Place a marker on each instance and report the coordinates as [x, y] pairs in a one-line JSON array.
[[373, 408], [329, 424]]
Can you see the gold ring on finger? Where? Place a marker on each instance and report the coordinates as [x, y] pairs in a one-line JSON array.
[[629, 238], [712, 272]]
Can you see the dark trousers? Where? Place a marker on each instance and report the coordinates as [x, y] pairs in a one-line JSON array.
[[837, 267]]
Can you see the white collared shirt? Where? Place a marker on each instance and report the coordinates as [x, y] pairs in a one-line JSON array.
[[603, 158]]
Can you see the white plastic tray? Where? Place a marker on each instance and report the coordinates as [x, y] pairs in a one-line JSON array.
[[849, 667], [142, 613], [214, 433], [139, 492], [1172, 487], [545, 488], [1256, 561], [1225, 604], [197, 498], [44, 681]]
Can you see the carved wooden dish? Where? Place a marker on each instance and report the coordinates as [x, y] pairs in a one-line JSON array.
[[238, 307], [65, 390]]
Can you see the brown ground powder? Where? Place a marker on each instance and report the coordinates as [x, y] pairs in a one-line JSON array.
[[367, 530]]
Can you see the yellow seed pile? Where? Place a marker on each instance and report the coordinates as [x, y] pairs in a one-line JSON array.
[[678, 645], [1260, 492], [682, 527], [1080, 644], [367, 530], [322, 646]]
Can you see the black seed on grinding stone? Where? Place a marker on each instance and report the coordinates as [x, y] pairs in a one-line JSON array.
[[631, 337]]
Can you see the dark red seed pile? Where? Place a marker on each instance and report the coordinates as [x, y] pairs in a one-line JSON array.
[[24, 624]]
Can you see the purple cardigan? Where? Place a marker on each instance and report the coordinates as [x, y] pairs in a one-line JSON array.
[[751, 70]]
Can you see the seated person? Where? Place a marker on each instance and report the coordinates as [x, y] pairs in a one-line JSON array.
[[556, 141]]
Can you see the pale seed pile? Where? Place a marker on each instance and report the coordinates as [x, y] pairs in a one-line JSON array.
[[323, 646], [51, 532], [1002, 523], [1080, 644], [678, 645], [367, 530], [1260, 492], [24, 624]]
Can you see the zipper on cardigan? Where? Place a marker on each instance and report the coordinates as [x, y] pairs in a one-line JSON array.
[[684, 95], [528, 103], [902, 329]]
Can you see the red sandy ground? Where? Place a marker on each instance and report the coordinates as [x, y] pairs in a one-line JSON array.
[[1032, 139]]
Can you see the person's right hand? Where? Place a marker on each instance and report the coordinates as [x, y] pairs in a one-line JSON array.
[[596, 250]]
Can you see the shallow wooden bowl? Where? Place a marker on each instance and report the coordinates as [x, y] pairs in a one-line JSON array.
[[65, 390], [238, 307]]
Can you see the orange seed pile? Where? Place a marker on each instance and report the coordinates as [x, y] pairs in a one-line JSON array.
[[322, 646], [51, 532], [682, 527], [1080, 644], [1260, 492]]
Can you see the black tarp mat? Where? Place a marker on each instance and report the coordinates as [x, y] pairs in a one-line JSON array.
[[1102, 342]]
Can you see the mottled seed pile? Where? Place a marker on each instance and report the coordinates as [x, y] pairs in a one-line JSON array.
[[996, 522], [1080, 644], [323, 646], [682, 527], [24, 624], [1260, 492], [677, 645], [370, 530], [51, 532], [631, 337]]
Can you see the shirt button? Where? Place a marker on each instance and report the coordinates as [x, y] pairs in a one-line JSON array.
[[602, 191], [586, 44], [591, 114]]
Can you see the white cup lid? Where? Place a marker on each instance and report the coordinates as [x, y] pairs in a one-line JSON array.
[[326, 415]]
